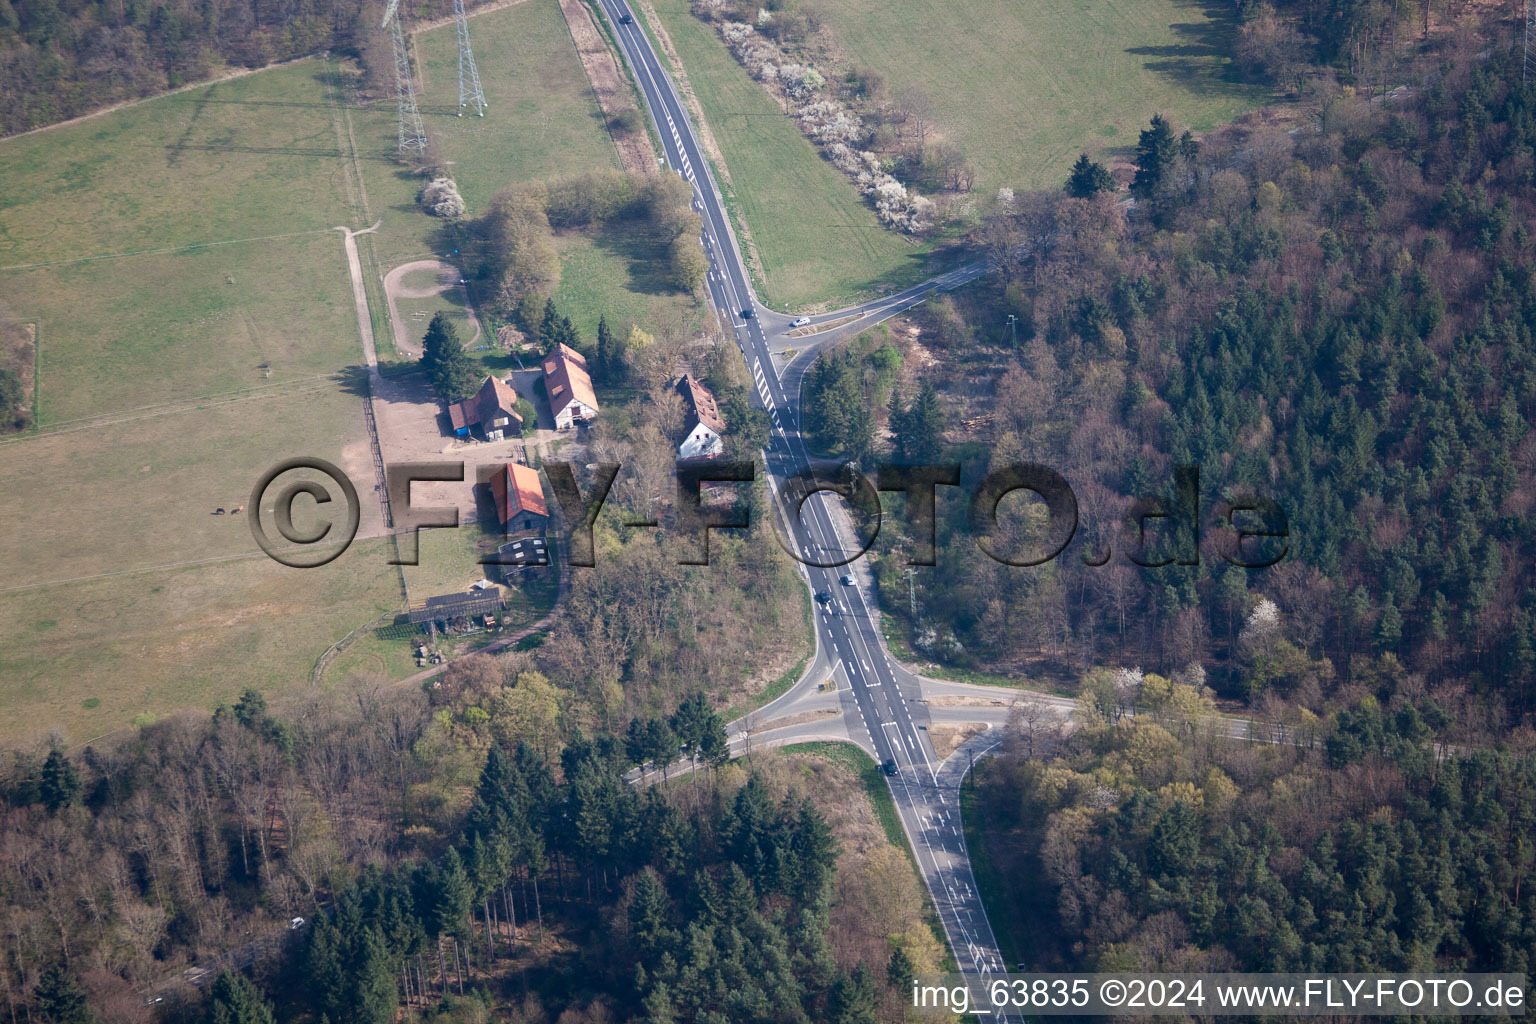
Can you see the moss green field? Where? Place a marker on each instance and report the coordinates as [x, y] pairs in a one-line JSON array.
[[817, 241], [1023, 88], [190, 253]]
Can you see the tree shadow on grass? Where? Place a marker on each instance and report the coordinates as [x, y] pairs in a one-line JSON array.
[[1201, 63], [646, 261]]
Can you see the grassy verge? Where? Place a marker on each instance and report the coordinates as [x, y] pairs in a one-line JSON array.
[[781, 685], [896, 642], [1007, 927], [884, 806], [816, 239]]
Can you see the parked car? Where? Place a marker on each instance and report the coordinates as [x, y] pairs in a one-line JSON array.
[[800, 321], [889, 767], [847, 579]]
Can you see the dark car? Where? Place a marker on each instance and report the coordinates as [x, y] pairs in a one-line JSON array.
[[824, 598], [746, 314], [889, 767], [626, 18]]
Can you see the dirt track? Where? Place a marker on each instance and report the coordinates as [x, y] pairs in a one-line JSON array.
[[448, 276], [608, 85]]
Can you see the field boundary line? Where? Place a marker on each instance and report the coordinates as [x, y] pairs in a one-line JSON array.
[[229, 76], [313, 383], [163, 252], [164, 567]]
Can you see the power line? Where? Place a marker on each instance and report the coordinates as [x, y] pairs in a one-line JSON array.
[[469, 75], [413, 134], [1526, 68]]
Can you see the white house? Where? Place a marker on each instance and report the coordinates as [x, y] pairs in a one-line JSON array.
[[569, 387], [702, 423]]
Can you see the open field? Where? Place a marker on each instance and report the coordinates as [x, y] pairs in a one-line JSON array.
[[1023, 88], [154, 643], [542, 122], [817, 241], [251, 157], [621, 272], [123, 334], [121, 594]]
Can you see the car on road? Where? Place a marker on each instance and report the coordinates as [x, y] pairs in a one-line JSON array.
[[847, 579], [800, 321], [889, 767], [746, 314], [626, 18], [823, 598]]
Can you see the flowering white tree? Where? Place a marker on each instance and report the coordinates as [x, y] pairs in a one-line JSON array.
[[1262, 628], [828, 122], [440, 197], [1127, 683]]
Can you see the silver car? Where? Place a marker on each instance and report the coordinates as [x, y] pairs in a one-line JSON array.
[[800, 321]]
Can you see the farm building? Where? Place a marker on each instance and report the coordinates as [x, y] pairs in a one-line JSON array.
[[519, 497], [516, 557], [702, 422], [566, 381], [489, 411], [447, 607]]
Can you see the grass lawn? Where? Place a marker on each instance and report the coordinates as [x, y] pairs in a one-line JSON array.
[[418, 314], [121, 595], [621, 272], [124, 334], [449, 560], [817, 240], [154, 643], [251, 157], [1023, 88]]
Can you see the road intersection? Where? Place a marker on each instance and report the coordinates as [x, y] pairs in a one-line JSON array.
[[879, 701]]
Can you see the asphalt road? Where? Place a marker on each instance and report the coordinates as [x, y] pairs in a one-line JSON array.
[[880, 699]]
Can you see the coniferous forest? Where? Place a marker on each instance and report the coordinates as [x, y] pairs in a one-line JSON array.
[[1337, 316]]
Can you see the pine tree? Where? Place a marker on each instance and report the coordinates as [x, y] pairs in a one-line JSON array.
[[607, 352], [925, 423], [453, 374], [1089, 177], [323, 966], [237, 1000], [899, 969], [1156, 151], [59, 999], [60, 784], [549, 325], [853, 999], [648, 911], [453, 898], [374, 998]]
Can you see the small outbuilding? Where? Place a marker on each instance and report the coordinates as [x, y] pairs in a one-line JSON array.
[[491, 412], [518, 494]]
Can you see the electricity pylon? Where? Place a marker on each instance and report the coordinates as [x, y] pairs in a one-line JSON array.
[[1527, 68], [413, 134], [469, 75]]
